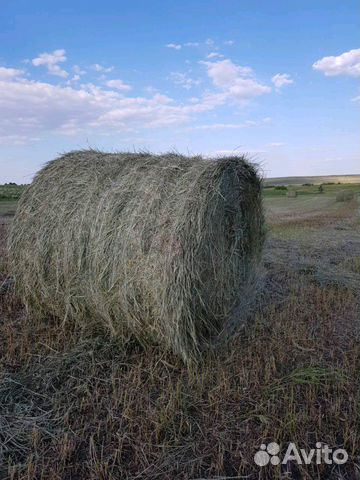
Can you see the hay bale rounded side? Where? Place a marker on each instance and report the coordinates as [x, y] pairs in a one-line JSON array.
[[292, 194], [164, 247]]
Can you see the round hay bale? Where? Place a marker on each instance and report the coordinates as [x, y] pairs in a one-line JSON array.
[[292, 194], [344, 196], [163, 247]]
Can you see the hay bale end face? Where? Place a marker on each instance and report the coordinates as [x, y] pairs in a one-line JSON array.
[[164, 248]]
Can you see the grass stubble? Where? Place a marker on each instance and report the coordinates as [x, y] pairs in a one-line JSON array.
[[78, 405]]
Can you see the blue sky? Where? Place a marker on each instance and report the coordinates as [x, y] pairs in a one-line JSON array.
[[278, 80]]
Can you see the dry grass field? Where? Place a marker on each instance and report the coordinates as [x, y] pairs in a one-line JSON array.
[[333, 179], [85, 407]]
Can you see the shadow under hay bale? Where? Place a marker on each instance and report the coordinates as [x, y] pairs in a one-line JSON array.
[[292, 194], [344, 196], [164, 248]]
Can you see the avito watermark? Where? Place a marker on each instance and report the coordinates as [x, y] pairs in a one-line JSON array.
[[270, 453]]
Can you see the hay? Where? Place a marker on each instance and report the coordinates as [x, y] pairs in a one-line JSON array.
[[292, 194], [163, 248], [344, 196]]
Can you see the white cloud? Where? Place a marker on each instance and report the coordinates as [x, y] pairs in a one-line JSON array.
[[31, 108], [75, 78], [214, 55], [175, 46], [225, 73], [78, 70], [237, 82], [209, 42], [184, 80], [225, 126], [356, 99], [281, 79], [151, 90], [17, 140], [50, 61], [7, 73], [99, 68], [348, 63], [118, 84], [179, 46], [230, 126], [276, 144]]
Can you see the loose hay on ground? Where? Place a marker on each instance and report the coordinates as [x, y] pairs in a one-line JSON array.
[[164, 248]]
